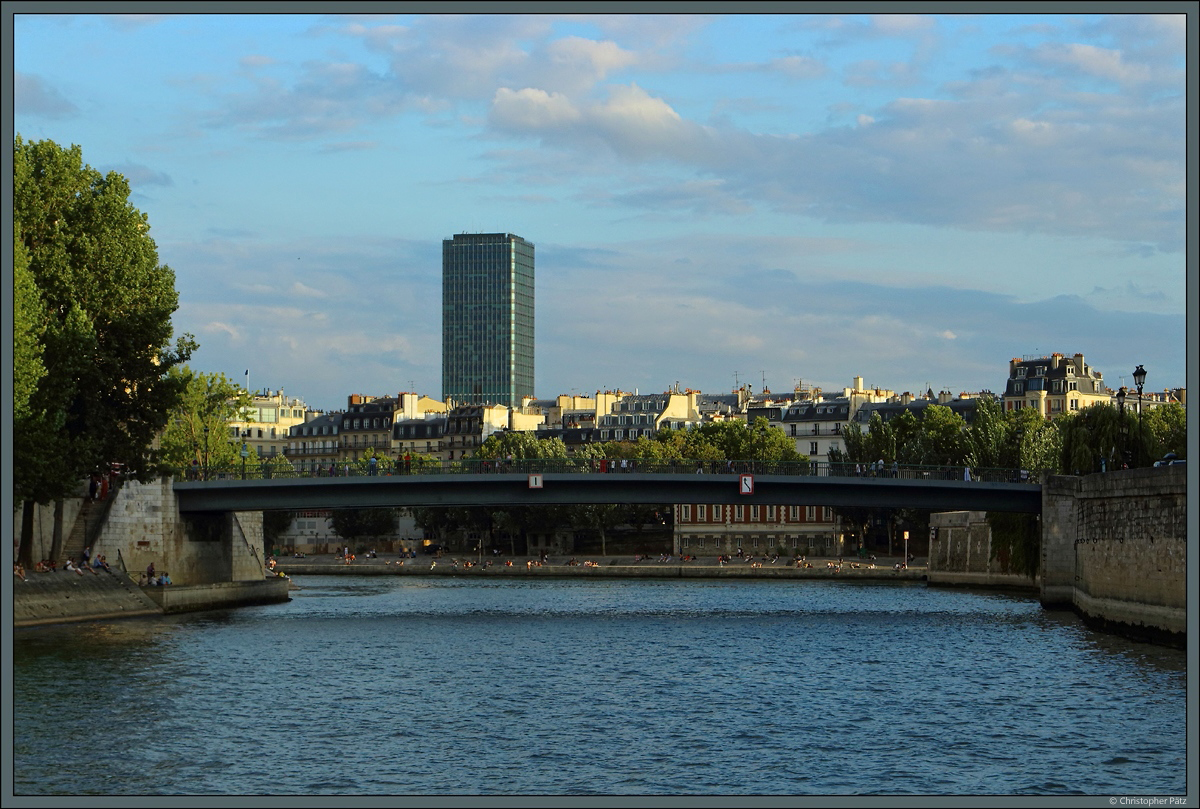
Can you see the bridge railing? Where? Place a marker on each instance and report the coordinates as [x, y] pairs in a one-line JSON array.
[[577, 466]]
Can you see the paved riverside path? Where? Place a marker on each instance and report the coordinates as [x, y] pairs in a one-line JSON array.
[[605, 567]]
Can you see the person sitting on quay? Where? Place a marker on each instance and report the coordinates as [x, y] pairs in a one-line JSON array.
[[19, 571], [165, 580], [70, 565], [104, 564], [143, 580]]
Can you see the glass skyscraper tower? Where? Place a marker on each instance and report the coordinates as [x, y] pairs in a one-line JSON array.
[[487, 319]]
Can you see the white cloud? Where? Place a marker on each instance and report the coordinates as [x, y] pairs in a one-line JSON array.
[[532, 109], [1104, 63], [306, 291]]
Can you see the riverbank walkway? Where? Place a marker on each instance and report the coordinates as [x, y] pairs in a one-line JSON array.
[[583, 565]]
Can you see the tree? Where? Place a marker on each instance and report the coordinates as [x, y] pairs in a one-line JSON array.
[[353, 523], [521, 446], [275, 524], [29, 323], [107, 306], [208, 400], [1166, 428], [1091, 436], [93, 373]]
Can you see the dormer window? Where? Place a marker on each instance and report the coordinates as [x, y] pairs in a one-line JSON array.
[[1021, 373], [1040, 370]]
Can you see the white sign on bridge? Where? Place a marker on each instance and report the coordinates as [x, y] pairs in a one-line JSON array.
[[535, 481], [746, 484]]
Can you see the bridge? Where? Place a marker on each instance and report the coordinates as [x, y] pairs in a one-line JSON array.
[[525, 483]]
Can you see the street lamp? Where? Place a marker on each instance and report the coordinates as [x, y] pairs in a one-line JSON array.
[[1121, 394], [1139, 379]]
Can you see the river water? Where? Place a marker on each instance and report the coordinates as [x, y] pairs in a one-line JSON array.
[[441, 686]]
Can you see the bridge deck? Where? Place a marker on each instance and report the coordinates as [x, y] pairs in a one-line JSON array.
[[510, 488]]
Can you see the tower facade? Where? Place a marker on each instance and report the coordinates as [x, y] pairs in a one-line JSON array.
[[487, 319]]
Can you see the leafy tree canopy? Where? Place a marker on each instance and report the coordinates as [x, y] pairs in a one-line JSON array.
[[208, 401], [353, 523], [101, 319]]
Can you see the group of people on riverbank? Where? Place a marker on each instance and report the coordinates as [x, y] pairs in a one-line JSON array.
[[151, 578], [88, 564]]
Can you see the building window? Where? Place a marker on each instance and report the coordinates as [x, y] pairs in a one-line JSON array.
[[810, 513], [687, 514], [794, 513], [812, 448], [753, 513], [700, 542], [770, 513], [739, 513]]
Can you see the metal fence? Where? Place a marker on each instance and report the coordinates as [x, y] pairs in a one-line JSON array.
[[386, 468]]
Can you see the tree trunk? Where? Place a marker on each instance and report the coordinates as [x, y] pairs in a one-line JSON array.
[[57, 543], [25, 551]]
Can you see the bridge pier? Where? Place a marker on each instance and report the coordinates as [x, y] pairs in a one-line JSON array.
[[1060, 522]]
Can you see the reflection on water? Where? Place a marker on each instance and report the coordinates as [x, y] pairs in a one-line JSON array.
[[413, 685]]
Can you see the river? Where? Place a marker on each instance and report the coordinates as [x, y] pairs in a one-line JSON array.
[[442, 686]]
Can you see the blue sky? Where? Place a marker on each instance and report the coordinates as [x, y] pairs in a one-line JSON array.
[[912, 199]]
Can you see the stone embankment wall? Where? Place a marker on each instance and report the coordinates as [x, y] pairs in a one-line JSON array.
[[62, 597], [960, 553], [215, 561], [1114, 548]]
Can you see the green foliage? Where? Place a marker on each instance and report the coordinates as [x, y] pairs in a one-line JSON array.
[[353, 523], [106, 307], [207, 400], [275, 466], [29, 323], [1100, 433], [1016, 542], [521, 446], [1166, 430], [275, 523]]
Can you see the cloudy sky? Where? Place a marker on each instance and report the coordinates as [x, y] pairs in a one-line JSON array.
[[713, 199]]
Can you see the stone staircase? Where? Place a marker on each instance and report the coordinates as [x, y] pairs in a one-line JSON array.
[[77, 540], [86, 528]]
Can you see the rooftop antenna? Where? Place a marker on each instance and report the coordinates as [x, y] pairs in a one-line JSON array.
[[735, 380], [764, 375]]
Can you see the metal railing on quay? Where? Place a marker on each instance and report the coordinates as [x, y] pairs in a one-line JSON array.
[[388, 468]]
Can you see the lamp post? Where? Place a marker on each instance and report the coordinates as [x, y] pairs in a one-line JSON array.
[[1139, 379], [1121, 404], [206, 452]]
